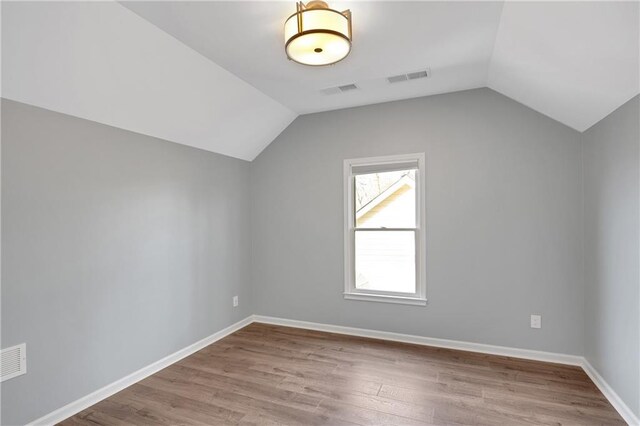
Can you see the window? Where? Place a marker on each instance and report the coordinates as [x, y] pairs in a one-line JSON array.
[[384, 229]]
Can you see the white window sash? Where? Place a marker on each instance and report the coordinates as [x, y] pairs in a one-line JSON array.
[[378, 165]]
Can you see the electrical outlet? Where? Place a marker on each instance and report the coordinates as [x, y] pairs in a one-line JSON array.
[[536, 321], [235, 301]]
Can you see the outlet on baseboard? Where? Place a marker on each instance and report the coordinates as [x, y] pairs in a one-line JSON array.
[[536, 321], [235, 301]]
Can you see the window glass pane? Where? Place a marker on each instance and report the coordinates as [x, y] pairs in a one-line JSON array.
[[385, 261], [386, 200]]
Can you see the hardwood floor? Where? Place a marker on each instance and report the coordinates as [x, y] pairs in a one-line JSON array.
[[267, 375]]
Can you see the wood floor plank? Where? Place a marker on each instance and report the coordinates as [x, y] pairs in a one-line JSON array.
[[272, 375]]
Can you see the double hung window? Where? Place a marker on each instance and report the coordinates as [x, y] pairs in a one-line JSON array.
[[384, 229]]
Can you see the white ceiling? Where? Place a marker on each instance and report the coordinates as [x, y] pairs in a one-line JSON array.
[[573, 61], [214, 74], [454, 39], [102, 62]]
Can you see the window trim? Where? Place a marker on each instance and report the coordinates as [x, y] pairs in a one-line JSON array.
[[350, 291]]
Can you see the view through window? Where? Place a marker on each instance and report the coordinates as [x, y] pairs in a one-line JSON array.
[[385, 231]]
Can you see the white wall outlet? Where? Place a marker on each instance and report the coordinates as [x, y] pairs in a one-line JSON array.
[[235, 302], [536, 321]]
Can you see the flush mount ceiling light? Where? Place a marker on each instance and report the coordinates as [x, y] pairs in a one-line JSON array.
[[316, 35]]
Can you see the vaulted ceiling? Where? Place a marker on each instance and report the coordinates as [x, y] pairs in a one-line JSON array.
[[102, 62], [214, 74]]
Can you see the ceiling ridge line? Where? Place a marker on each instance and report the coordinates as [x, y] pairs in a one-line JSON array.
[[493, 48]]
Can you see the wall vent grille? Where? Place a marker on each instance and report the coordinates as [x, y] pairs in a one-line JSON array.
[[13, 362], [409, 76]]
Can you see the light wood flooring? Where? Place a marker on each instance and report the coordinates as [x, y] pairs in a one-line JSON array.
[[268, 375]]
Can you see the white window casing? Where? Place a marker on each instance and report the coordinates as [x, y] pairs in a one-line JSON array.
[[360, 166]]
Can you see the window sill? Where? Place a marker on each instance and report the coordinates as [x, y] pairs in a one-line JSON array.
[[386, 299]]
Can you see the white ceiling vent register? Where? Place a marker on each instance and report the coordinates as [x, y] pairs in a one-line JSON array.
[[410, 76], [13, 362], [339, 89]]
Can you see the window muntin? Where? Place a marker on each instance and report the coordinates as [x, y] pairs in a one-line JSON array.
[[384, 224]]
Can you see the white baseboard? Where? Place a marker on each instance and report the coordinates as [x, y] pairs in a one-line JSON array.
[[427, 341], [610, 394], [97, 396], [105, 392]]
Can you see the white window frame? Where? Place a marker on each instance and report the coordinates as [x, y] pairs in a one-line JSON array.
[[350, 290]]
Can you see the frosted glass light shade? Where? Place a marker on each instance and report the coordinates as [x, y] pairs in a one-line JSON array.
[[317, 35]]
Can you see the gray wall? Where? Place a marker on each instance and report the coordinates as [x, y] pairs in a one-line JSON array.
[[612, 236], [504, 223], [117, 250]]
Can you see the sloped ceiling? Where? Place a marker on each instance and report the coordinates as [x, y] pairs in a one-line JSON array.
[[102, 62], [573, 61], [454, 39], [214, 75]]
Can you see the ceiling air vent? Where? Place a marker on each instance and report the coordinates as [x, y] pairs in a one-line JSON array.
[[397, 78], [13, 362], [339, 89], [347, 87], [409, 76]]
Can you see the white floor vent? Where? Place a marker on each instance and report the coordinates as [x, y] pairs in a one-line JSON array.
[[13, 362]]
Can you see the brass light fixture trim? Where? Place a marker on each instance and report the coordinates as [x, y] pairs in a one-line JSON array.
[[316, 35]]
